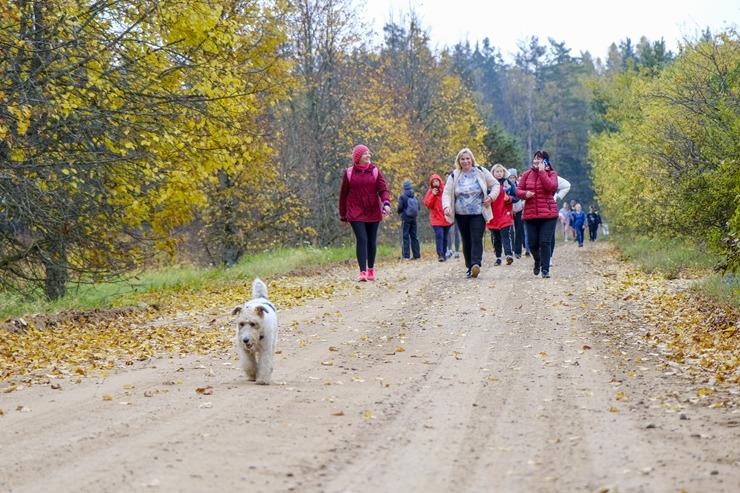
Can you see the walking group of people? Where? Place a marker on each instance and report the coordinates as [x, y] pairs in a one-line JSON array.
[[520, 212], [574, 222]]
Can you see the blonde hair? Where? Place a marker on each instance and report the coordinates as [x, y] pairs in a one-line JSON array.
[[462, 151], [500, 166]]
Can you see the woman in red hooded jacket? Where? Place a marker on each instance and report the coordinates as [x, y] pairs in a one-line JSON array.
[[540, 214], [363, 202], [433, 202]]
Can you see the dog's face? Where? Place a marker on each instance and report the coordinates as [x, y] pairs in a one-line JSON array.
[[250, 326]]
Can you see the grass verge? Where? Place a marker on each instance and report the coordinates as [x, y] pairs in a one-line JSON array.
[[183, 278], [674, 259]]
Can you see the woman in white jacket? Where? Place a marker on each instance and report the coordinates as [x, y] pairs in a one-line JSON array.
[[467, 201], [563, 189]]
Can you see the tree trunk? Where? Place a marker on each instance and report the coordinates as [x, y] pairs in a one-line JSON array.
[[55, 264]]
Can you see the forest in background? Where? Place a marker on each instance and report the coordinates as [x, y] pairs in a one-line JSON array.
[[138, 133]]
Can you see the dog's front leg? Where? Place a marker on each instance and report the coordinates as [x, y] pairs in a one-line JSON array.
[[264, 368], [249, 364]]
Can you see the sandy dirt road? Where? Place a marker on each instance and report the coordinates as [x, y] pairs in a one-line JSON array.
[[422, 381]]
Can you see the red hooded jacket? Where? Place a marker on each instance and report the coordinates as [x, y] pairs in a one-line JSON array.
[[434, 203]]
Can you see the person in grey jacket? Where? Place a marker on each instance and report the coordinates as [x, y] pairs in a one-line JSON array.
[[466, 201]]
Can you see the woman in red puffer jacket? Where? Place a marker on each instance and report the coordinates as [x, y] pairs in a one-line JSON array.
[[537, 186]]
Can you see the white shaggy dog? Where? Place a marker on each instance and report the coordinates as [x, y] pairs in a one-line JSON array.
[[256, 334]]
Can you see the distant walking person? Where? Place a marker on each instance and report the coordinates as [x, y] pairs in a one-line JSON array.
[[572, 210], [563, 189], [433, 202], [538, 186], [363, 202], [578, 221], [565, 214], [594, 220], [467, 202], [453, 240], [408, 209]]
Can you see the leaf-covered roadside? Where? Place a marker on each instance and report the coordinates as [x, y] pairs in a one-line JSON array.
[[72, 345], [688, 335], [685, 334]]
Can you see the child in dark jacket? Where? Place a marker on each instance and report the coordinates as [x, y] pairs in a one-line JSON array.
[[594, 220]]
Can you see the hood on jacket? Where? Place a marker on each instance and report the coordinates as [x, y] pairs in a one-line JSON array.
[[435, 176], [408, 190]]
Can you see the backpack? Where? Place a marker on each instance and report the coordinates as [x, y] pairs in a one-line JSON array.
[[412, 207]]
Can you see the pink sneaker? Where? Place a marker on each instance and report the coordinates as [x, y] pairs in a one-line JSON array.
[[371, 274], [362, 277]]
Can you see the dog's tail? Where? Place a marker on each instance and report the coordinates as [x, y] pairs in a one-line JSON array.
[[259, 288]]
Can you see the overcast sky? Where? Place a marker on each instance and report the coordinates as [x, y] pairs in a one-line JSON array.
[[581, 24]]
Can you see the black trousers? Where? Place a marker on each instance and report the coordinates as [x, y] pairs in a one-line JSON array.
[[501, 239], [472, 228], [410, 240], [540, 234]]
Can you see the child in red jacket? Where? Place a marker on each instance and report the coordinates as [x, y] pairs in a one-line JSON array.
[[433, 202], [502, 224]]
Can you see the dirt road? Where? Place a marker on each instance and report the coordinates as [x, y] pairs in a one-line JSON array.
[[422, 381]]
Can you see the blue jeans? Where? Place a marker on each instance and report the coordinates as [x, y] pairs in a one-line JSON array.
[[441, 233], [453, 238], [579, 235]]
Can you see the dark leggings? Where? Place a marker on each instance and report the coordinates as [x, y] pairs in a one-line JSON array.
[[367, 243], [540, 233]]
